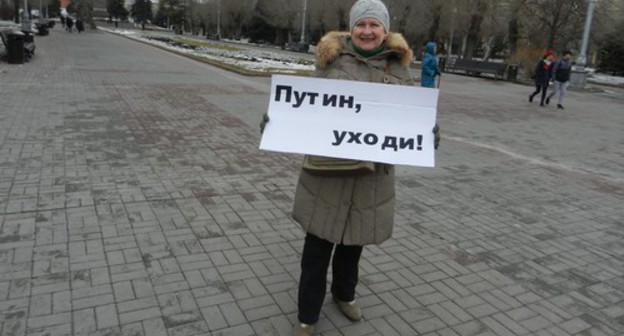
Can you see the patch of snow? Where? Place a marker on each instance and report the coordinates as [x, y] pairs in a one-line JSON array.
[[602, 78], [605, 79], [262, 61]]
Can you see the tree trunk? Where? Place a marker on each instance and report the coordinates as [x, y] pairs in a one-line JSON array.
[[553, 27], [552, 34], [239, 30], [403, 20], [488, 49], [435, 24], [474, 30], [463, 46], [342, 21], [512, 32]]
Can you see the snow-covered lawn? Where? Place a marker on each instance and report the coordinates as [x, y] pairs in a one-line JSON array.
[[600, 78], [244, 59], [259, 61]]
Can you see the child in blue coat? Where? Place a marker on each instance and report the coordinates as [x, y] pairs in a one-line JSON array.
[[429, 67]]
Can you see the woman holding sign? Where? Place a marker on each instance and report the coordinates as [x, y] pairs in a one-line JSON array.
[[342, 204]]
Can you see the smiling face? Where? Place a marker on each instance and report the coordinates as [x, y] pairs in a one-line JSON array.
[[368, 34]]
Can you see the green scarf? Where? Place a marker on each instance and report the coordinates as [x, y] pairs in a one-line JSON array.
[[367, 53]]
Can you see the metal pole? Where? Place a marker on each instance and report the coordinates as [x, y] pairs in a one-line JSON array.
[[25, 20], [581, 60], [303, 20], [450, 48], [219, 19]]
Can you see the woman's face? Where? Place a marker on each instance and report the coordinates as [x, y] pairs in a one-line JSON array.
[[368, 34], [550, 58]]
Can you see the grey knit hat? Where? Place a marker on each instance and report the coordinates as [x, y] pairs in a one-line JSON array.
[[369, 9]]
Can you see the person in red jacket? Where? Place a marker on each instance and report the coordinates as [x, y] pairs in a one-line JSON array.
[[543, 74]]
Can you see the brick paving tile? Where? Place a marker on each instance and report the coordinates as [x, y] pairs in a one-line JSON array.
[[134, 201]]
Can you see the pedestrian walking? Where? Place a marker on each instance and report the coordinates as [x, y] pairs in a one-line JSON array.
[[429, 66], [69, 22], [543, 73], [79, 25], [343, 210], [561, 73]]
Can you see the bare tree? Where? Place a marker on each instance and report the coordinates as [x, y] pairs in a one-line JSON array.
[[493, 28], [555, 19], [236, 14], [281, 15], [474, 30], [479, 25], [514, 8], [436, 15], [411, 19]]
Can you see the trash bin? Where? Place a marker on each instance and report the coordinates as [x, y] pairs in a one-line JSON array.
[[15, 48], [512, 73]]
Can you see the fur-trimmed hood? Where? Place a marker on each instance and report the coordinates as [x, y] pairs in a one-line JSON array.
[[333, 43]]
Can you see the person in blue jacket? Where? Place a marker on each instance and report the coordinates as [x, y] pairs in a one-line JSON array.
[[429, 66]]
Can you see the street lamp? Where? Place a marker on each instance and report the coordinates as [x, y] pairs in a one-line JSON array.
[[303, 20], [218, 19], [450, 48], [579, 73], [25, 20], [582, 57]]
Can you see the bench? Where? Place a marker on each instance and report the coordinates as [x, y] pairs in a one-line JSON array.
[[42, 28], [29, 43], [472, 67]]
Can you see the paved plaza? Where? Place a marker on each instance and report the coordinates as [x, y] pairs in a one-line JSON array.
[[134, 201]]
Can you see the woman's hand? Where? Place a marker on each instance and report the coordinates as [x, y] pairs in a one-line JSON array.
[[263, 122], [436, 136]]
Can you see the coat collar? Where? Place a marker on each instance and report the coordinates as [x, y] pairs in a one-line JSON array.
[[333, 43]]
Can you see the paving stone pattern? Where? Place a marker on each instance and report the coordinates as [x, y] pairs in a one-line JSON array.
[[134, 201]]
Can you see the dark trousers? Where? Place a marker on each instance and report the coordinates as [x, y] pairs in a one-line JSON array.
[[314, 264], [539, 88]]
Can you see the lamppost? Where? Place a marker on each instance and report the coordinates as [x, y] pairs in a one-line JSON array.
[[303, 20], [218, 19], [450, 47], [579, 73], [25, 20]]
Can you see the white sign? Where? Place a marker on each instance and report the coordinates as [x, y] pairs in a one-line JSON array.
[[352, 120]]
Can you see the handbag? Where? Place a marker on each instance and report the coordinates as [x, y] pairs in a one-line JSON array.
[[326, 166]]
